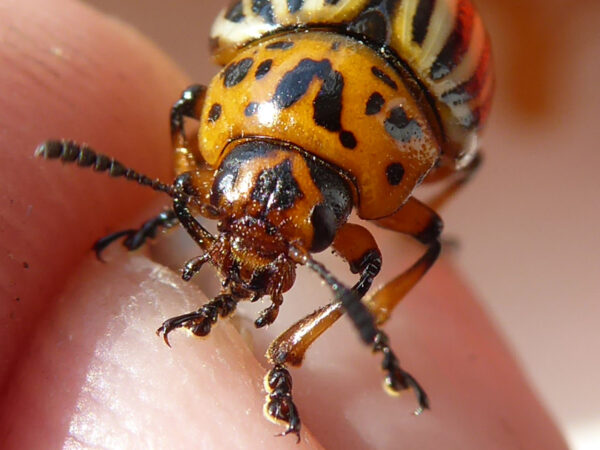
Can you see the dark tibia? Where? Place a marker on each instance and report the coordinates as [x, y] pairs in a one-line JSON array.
[[134, 239], [184, 192], [200, 322], [188, 105], [369, 267]]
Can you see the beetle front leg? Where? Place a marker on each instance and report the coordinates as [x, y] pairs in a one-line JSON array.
[[200, 322]]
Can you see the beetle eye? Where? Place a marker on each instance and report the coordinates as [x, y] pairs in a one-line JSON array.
[[325, 226]]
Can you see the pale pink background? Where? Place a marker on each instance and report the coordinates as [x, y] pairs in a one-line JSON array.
[[528, 225]]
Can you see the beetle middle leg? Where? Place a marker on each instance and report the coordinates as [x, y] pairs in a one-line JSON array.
[[356, 245], [135, 238]]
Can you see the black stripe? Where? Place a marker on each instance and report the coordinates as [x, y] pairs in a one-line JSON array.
[[391, 6], [264, 9], [372, 25], [456, 46], [235, 13], [294, 5], [421, 20]]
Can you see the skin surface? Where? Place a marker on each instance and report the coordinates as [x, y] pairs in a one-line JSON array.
[[80, 364]]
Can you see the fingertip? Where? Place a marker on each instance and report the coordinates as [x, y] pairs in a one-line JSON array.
[[71, 72], [103, 376]]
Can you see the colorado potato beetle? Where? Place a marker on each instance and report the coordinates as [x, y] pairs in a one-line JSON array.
[[322, 107]]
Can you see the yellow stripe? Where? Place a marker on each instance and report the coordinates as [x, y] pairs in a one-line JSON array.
[[440, 26]]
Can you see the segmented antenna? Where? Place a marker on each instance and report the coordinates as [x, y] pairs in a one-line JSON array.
[[357, 311], [69, 151]]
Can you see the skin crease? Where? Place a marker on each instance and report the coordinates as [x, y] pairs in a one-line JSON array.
[[80, 363]]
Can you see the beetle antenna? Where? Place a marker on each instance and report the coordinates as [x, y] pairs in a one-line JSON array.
[[69, 151], [351, 301]]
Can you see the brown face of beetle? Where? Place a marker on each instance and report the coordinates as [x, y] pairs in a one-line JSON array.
[[274, 195]]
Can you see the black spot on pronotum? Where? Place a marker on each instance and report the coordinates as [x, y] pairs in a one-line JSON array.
[[263, 68], [276, 187], [235, 13], [380, 74], [280, 45], [214, 113], [400, 127], [236, 72], [294, 5], [251, 109], [336, 46], [374, 104], [348, 140], [394, 173]]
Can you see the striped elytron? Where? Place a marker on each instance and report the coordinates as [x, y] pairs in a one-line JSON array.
[[322, 106]]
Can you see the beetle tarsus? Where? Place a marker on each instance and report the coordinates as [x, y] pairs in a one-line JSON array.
[[279, 405], [397, 379], [200, 322], [134, 239]]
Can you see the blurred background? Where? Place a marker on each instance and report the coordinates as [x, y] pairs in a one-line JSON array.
[[528, 225]]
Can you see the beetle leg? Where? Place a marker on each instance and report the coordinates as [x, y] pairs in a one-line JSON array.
[[461, 177], [358, 248], [279, 406], [189, 105], [421, 222], [268, 315], [201, 321], [356, 245], [193, 266], [185, 192], [415, 219], [134, 239]]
